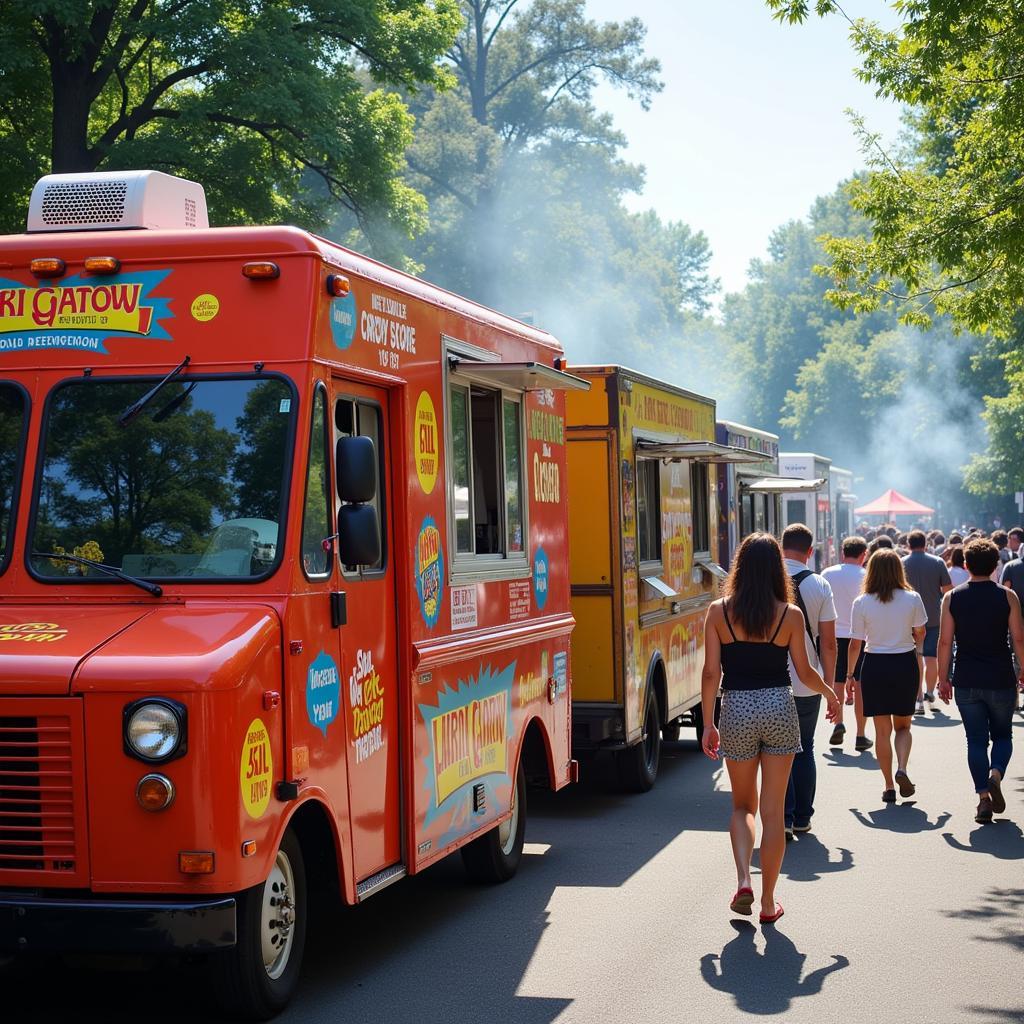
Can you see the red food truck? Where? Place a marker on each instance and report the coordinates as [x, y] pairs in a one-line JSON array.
[[284, 585]]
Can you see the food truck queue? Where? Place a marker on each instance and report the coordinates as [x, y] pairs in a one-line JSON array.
[[282, 567]]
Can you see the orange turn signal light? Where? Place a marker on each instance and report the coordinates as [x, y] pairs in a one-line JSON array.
[[338, 285], [102, 264], [261, 270], [48, 266], [195, 862], [154, 792], [249, 848]]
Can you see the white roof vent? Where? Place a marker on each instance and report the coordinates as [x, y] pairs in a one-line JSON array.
[[102, 200]]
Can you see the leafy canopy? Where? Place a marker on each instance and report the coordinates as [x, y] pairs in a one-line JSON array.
[[269, 104]]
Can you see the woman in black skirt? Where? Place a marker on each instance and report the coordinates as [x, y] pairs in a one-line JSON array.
[[891, 619]]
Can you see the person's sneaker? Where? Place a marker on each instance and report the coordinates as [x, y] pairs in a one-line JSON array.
[[836, 739], [995, 792], [983, 815], [804, 826], [919, 708], [930, 696], [863, 743], [789, 833]]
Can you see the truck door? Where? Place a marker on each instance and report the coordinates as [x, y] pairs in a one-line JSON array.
[[368, 656]]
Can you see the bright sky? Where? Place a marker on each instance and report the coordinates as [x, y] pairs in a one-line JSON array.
[[750, 126]]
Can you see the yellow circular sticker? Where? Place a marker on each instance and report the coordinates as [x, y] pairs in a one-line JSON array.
[[256, 769], [425, 427], [205, 307]]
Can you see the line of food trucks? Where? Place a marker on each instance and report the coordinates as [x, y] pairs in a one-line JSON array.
[[309, 568]]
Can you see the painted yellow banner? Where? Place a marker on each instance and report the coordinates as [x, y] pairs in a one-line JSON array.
[[470, 742], [108, 307]]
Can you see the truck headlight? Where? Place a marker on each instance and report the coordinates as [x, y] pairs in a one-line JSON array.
[[155, 729]]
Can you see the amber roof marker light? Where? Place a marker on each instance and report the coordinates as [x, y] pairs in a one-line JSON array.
[[261, 270], [102, 264], [338, 285], [48, 266]]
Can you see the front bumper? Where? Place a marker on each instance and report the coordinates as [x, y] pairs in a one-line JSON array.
[[45, 924]]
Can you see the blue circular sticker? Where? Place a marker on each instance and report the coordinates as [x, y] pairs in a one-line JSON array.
[[343, 320], [540, 577], [323, 691]]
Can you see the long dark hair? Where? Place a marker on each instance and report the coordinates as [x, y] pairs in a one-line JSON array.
[[757, 582]]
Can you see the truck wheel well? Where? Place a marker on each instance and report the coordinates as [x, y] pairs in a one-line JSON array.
[[319, 851], [656, 679], [535, 756]]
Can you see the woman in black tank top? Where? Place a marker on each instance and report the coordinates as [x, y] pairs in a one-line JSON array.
[[749, 636], [979, 615]]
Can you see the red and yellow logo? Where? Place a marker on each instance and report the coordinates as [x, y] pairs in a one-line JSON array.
[[469, 742], [107, 307]]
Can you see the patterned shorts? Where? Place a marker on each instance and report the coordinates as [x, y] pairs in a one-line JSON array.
[[759, 722]]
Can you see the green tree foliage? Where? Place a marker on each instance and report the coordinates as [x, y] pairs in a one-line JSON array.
[[947, 229], [263, 101]]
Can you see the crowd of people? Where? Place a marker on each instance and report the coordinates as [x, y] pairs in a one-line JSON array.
[[904, 620]]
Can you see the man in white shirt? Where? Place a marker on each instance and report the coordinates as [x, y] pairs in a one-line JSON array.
[[845, 580], [814, 596]]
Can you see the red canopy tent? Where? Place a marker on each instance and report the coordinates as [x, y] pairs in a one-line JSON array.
[[892, 503]]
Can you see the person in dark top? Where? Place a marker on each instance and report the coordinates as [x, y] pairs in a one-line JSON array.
[[749, 636], [929, 576], [978, 615], [1013, 579]]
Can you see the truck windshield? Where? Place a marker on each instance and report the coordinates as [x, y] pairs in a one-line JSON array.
[[12, 421], [192, 488]]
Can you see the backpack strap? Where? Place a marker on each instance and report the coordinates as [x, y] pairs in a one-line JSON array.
[[797, 580]]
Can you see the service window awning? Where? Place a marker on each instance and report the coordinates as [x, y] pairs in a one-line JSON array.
[[713, 568], [696, 451], [519, 376], [783, 485], [658, 584]]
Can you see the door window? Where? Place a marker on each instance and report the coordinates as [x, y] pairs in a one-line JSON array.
[[316, 514], [12, 429]]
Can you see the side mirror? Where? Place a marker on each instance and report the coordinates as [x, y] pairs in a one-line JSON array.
[[356, 465], [358, 534]]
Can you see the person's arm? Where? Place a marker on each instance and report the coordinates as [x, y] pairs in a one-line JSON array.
[[945, 582], [808, 675], [857, 637], [711, 680], [1016, 630], [829, 652], [945, 651]]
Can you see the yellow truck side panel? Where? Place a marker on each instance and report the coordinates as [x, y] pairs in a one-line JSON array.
[[593, 649]]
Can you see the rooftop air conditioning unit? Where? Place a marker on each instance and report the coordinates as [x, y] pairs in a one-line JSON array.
[[108, 200]]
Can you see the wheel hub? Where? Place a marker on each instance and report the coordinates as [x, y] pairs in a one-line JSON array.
[[278, 917]]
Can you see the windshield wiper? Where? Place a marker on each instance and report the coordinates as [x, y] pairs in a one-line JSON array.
[[111, 570], [135, 408]]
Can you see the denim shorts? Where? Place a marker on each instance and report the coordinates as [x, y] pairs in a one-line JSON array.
[[931, 642]]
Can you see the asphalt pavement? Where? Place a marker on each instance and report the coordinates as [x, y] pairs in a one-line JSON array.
[[908, 913]]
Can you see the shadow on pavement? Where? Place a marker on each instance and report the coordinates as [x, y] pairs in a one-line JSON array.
[[435, 947], [764, 982], [808, 858], [935, 719], [905, 817], [838, 758], [1001, 910], [1001, 838]]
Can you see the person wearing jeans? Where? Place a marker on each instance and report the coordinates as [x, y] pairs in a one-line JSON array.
[[978, 615]]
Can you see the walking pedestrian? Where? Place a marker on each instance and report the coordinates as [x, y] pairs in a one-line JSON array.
[[814, 598], [881, 541], [846, 580], [889, 619], [928, 575], [977, 615], [749, 637], [957, 572], [1013, 579], [1001, 539]]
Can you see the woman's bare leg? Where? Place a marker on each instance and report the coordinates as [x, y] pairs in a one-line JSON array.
[[902, 740], [883, 747], [775, 769], [743, 778]]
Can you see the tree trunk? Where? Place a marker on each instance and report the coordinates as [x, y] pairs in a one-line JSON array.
[[70, 138]]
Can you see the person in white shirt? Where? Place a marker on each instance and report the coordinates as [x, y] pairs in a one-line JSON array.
[[846, 580], [891, 618], [814, 597], [957, 573]]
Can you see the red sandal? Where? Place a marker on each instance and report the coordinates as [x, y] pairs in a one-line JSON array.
[[743, 901], [772, 918]]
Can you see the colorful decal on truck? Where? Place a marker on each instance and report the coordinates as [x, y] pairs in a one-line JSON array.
[[366, 697], [540, 578], [469, 731], [82, 312], [205, 307], [256, 769], [429, 561], [32, 632], [425, 442], [323, 690], [343, 317]]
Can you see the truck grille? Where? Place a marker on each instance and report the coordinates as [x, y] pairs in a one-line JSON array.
[[37, 795]]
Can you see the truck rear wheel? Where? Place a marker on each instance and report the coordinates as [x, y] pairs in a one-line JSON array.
[[637, 766], [495, 856], [256, 978]]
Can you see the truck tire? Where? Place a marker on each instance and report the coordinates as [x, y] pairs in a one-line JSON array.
[[670, 732], [698, 718], [637, 766], [495, 856], [255, 979]]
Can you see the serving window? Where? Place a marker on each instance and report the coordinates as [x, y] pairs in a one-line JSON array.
[[648, 509], [700, 503]]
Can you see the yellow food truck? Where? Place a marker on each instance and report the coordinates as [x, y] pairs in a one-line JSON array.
[[641, 509]]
